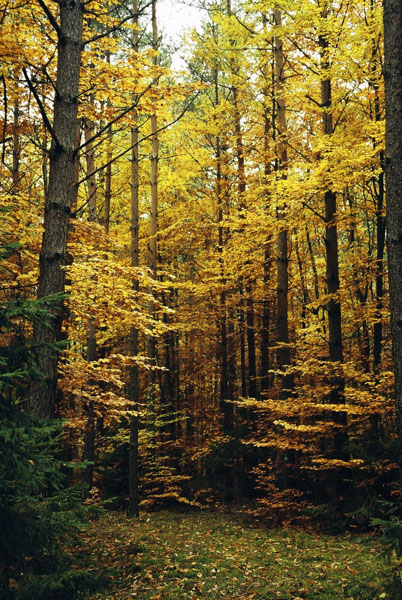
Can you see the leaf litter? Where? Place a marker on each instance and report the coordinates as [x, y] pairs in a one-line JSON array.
[[211, 555]]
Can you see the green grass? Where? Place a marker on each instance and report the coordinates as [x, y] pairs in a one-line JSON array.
[[187, 556]]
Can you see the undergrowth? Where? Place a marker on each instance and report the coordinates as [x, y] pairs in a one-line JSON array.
[[210, 555]]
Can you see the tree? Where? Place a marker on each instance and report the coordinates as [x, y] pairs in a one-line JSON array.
[[283, 236], [39, 518], [59, 196], [153, 220], [134, 500], [393, 172], [331, 248]]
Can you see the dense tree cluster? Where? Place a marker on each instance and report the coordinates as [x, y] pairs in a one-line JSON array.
[[213, 246]]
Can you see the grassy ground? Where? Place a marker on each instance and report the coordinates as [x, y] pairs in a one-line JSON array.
[[188, 556]]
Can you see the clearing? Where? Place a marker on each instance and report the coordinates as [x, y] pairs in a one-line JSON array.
[[191, 555]]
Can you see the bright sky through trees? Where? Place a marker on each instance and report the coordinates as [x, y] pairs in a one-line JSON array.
[[175, 17]]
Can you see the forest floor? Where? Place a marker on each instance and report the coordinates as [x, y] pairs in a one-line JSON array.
[[192, 555]]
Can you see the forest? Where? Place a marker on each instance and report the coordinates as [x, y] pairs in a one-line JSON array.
[[200, 299]]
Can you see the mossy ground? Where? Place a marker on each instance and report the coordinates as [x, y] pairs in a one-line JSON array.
[[189, 556]]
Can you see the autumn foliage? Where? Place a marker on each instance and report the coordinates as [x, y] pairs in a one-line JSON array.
[[262, 366]]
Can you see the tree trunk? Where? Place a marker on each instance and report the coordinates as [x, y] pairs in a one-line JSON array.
[[89, 413], [304, 290], [224, 374], [134, 386], [265, 322], [108, 178], [88, 453], [152, 245], [58, 201], [16, 146], [90, 160], [243, 373], [249, 318], [393, 175], [380, 219], [266, 317], [379, 279], [252, 366], [282, 244], [332, 265]]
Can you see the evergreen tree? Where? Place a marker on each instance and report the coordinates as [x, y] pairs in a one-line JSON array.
[[39, 517]]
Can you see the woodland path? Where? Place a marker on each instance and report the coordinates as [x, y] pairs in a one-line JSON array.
[[187, 556]]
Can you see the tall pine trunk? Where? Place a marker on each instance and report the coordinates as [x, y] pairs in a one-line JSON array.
[[332, 264], [266, 317], [393, 174], [16, 146], [153, 224], [284, 358], [58, 201], [134, 387], [225, 393], [108, 169], [90, 160], [380, 218], [88, 453], [249, 316]]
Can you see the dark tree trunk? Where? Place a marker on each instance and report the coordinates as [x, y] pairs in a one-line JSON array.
[[393, 174], [134, 385], [90, 429], [266, 318], [243, 373], [16, 146], [224, 375], [252, 367], [304, 291], [152, 245], [332, 267], [59, 200], [90, 160], [265, 322], [380, 218], [379, 279], [88, 453], [248, 317], [282, 244], [108, 170]]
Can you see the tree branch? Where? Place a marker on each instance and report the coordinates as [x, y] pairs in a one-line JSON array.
[[319, 104], [146, 137], [120, 116], [314, 211], [244, 25], [50, 16], [95, 38], [41, 108]]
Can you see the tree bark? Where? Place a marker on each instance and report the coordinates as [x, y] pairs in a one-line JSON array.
[[108, 170], [284, 358], [332, 264], [153, 222], [224, 371], [58, 201], [134, 386], [380, 217], [88, 453], [393, 178], [249, 317], [16, 146], [242, 349], [90, 160], [266, 317]]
